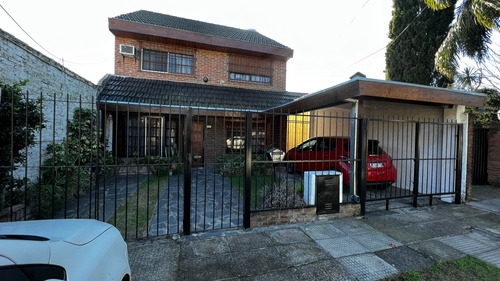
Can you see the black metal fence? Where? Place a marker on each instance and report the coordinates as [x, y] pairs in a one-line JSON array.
[[129, 164]]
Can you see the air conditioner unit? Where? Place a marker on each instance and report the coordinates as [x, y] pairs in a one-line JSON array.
[[127, 50]]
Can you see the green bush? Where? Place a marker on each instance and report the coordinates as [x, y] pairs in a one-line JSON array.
[[72, 166], [235, 165], [20, 119]]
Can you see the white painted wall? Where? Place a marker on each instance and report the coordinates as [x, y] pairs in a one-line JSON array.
[[393, 124]]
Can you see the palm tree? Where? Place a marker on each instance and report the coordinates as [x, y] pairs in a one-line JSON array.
[[470, 32]]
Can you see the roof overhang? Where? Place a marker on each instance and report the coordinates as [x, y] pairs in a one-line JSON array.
[[364, 88], [141, 31]]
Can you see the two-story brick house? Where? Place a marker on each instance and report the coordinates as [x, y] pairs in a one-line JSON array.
[[166, 64]]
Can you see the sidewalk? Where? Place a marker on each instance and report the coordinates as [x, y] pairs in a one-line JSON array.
[[382, 244]]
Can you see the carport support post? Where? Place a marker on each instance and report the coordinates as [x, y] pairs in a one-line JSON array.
[[188, 163], [458, 166], [417, 164], [362, 154], [248, 170]]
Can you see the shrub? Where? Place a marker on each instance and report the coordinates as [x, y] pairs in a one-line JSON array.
[[283, 194], [20, 119], [72, 165], [235, 165]]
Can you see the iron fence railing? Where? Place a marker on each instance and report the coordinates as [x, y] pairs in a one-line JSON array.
[[129, 164]]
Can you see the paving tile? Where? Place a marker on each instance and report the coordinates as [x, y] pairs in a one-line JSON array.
[[322, 231], [442, 228], [460, 211], [489, 220], [327, 270], [154, 259], [289, 236], [405, 234], [245, 242], [302, 253], [279, 275], [258, 261], [342, 246], [212, 268], [353, 226], [203, 247], [376, 241], [404, 259], [492, 257], [436, 250], [472, 243], [367, 267]]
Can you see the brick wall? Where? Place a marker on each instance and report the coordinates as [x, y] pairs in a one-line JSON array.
[[470, 157], [493, 154], [51, 80], [210, 64], [290, 216]]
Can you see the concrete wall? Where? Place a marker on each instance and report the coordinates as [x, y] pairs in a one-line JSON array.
[[49, 79]]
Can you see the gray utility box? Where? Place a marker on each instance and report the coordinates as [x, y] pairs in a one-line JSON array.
[[324, 190], [328, 200]]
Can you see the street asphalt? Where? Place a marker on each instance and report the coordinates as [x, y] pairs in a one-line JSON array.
[[378, 245]]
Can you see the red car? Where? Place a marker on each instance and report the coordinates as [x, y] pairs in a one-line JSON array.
[[332, 153]]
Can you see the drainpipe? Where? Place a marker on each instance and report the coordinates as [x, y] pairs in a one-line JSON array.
[[353, 137]]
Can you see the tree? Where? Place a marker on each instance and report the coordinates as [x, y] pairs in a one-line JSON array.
[[20, 118], [488, 114], [416, 32], [470, 33]]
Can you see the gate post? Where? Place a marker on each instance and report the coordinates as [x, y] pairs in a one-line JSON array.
[[362, 154], [248, 170], [458, 166], [416, 171], [188, 163]]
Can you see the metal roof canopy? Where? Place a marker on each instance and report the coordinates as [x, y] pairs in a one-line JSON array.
[[361, 88]]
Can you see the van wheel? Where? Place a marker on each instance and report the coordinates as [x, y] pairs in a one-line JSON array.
[[290, 168]]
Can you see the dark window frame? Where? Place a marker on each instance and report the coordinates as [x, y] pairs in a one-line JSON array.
[[167, 62]]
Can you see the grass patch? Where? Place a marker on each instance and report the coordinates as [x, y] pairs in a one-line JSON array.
[[464, 269], [134, 216], [258, 184]]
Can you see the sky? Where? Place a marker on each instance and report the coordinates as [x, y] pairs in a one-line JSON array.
[[331, 40]]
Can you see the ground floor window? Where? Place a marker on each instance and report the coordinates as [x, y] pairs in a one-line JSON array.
[[235, 138], [151, 136]]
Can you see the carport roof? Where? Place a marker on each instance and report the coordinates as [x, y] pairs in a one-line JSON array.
[[363, 88]]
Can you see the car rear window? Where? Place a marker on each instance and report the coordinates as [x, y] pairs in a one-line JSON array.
[[374, 148]]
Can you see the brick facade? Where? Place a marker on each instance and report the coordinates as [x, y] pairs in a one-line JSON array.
[[211, 64], [291, 216], [470, 158]]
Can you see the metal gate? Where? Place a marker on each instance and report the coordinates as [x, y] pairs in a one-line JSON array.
[[480, 156], [427, 157]]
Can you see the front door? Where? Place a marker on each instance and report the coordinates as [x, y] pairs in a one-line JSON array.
[[197, 143]]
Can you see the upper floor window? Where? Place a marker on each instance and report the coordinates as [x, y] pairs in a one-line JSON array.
[[250, 78], [249, 69], [167, 62]]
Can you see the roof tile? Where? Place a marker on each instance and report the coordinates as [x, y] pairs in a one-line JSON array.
[[163, 92], [168, 21]]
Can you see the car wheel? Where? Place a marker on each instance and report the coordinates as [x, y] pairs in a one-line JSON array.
[[290, 168]]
